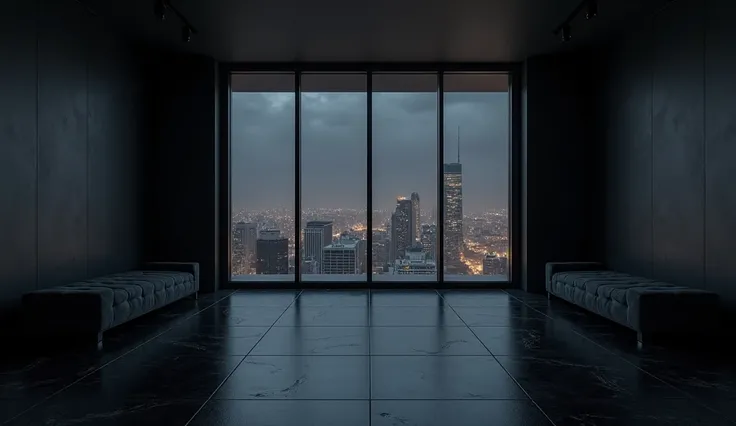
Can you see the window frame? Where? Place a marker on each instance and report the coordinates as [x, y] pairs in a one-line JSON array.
[[224, 205]]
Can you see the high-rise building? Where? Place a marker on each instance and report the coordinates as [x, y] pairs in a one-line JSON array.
[[345, 256], [429, 240], [414, 262], [246, 235], [453, 214], [493, 264], [272, 253], [317, 235], [401, 228], [381, 251], [416, 217]]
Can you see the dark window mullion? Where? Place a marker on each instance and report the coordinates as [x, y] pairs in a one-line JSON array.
[[369, 184], [297, 177], [440, 243]]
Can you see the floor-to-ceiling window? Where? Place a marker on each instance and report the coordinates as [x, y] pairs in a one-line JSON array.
[[333, 177], [404, 151], [262, 167], [369, 176], [476, 176]]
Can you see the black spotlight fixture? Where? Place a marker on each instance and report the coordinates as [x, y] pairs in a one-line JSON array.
[[186, 33], [566, 36], [592, 11], [159, 9]]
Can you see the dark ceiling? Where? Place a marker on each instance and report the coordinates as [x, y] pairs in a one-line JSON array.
[[370, 31]]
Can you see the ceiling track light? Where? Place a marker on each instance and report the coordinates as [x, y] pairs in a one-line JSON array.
[[186, 34], [592, 11], [161, 7], [566, 33]]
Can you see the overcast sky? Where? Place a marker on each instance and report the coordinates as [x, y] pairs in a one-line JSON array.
[[334, 149]]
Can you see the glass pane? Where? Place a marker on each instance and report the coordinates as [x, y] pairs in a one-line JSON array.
[[333, 181], [476, 177], [262, 181], [404, 177]]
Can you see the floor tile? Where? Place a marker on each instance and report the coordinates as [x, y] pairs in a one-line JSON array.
[[425, 341], [202, 344], [563, 380], [627, 412], [477, 298], [195, 330], [151, 375], [324, 316], [417, 297], [256, 298], [314, 341], [441, 377], [299, 377], [408, 316], [457, 413], [712, 384], [99, 411], [552, 341], [238, 316], [475, 316], [283, 413], [344, 298]]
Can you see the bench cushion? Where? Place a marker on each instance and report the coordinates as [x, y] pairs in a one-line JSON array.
[[640, 303], [105, 302]]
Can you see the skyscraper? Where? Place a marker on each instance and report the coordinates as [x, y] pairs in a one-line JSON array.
[[401, 228], [429, 241], [345, 256], [272, 253], [453, 210], [416, 218], [246, 235], [317, 235]]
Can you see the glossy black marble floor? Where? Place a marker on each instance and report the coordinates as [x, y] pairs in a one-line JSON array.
[[381, 357]]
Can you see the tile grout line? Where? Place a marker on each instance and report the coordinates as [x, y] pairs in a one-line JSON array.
[[27, 410], [626, 361], [496, 359], [196, 413]]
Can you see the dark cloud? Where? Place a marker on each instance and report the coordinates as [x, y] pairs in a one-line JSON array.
[[334, 148]]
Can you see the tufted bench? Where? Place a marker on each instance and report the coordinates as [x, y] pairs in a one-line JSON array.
[[99, 304], [644, 305]]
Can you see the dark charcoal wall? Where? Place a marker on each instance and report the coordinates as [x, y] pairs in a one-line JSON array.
[[181, 190], [560, 202], [70, 127], [669, 123]]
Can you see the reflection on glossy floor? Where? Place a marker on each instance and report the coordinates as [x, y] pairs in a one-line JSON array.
[[403, 358]]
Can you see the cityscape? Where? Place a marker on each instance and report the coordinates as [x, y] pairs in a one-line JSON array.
[[404, 240], [331, 241]]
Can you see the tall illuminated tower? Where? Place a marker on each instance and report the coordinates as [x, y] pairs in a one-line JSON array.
[[453, 210], [416, 218]]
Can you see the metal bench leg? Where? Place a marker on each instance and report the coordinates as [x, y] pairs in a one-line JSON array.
[[642, 339]]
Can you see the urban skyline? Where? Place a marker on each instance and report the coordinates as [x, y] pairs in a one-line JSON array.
[[333, 187]]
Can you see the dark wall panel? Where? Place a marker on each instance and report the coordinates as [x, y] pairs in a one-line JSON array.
[[182, 174], [692, 139], [558, 190], [71, 125], [720, 150], [677, 144], [628, 190], [114, 125], [17, 151], [62, 144]]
